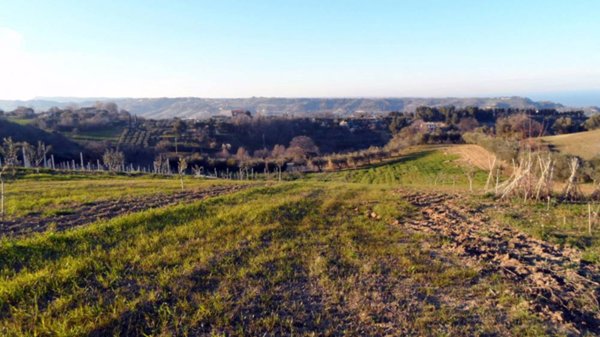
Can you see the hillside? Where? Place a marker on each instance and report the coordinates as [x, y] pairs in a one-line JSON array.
[[583, 144], [194, 107], [62, 146]]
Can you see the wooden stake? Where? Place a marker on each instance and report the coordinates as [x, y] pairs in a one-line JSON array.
[[2, 197], [589, 219]]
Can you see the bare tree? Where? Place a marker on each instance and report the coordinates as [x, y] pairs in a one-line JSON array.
[[161, 164], [572, 191], [182, 166], [37, 154], [318, 163], [279, 155], [302, 148], [492, 166], [9, 152], [179, 128], [470, 173], [243, 159], [198, 170], [113, 159]]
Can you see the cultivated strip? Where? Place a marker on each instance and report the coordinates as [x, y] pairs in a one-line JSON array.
[[103, 210]]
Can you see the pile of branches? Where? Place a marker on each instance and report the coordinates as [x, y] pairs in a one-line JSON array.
[[531, 178]]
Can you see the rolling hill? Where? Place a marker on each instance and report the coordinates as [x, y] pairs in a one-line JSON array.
[[195, 107], [62, 146], [583, 144]]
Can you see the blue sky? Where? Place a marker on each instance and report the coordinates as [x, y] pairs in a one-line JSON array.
[[298, 48]]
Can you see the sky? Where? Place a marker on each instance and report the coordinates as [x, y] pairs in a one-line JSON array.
[[299, 48]]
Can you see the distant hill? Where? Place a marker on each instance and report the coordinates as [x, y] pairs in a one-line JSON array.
[[194, 107], [62, 147], [583, 144]]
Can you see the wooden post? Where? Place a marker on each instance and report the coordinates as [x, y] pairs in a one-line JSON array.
[[497, 179], [25, 159], [2, 196], [589, 219]]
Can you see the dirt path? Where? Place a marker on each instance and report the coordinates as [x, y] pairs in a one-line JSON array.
[[90, 212], [559, 285]]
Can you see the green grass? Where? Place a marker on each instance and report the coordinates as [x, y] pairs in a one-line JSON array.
[[111, 133], [49, 194], [296, 258], [562, 224], [301, 257], [421, 169], [22, 121]]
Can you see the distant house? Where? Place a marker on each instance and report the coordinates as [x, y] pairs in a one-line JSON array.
[[432, 126], [240, 112]]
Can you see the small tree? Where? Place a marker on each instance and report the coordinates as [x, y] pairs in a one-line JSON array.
[[593, 122], [279, 155], [198, 170], [179, 128], [243, 159], [161, 164], [9, 152], [302, 148], [182, 166], [113, 159], [318, 163], [572, 191], [3, 172], [37, 154], [470, 173]]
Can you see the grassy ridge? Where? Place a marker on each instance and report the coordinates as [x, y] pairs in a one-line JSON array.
[[295, 258]]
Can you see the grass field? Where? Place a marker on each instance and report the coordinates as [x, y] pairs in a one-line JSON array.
[[22, 121], [323, 255], [430, 168], [583, 144], [289, 259], [561, 224], [48, 194], [111, 133]]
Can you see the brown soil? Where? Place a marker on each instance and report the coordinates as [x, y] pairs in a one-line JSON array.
[[102, 210], [560, 286]]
